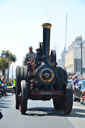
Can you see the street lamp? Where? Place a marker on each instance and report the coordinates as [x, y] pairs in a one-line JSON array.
[[12, 73], [81, 44], [8, 66]]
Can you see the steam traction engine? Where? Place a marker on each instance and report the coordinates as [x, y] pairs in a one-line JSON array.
[[43, 80]]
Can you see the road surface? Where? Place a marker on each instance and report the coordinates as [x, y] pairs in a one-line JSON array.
[[40, 114]]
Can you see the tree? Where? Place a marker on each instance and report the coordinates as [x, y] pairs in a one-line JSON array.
[[6, 62], [10, 56]]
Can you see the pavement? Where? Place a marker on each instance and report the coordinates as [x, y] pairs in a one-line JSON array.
[[40, 114]]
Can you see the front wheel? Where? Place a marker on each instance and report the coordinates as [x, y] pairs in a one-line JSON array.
[[24, 73], [68, 101], [23, 97], [57, 104]]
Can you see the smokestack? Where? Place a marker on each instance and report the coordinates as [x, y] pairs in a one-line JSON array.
[[46, 39]]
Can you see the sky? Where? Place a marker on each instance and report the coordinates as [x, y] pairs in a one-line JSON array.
[[21, 20]]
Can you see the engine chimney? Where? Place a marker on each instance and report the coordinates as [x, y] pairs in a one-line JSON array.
[[46, 40]]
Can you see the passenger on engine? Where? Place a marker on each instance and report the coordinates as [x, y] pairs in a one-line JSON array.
[[30, 56]]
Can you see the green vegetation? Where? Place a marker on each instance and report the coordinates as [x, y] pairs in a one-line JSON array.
[[7, 61]]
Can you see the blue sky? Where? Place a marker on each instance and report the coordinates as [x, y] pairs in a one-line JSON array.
[[21, 20]]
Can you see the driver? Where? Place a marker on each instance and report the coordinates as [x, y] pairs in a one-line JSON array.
[[30, 56]]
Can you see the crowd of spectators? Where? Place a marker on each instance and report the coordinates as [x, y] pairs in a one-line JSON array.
[[4, 84]]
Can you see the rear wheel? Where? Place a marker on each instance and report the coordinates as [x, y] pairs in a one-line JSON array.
[[61, 79], [24, 73], [17, 86], [23, 97], [68, 101]]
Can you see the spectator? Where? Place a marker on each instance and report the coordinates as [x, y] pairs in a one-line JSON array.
[[14, 86], [75, 81]]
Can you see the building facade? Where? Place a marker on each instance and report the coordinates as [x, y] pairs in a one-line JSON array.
[[73, 56]]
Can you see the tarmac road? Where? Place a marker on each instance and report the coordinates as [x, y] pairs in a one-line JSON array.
[[40, 114]]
